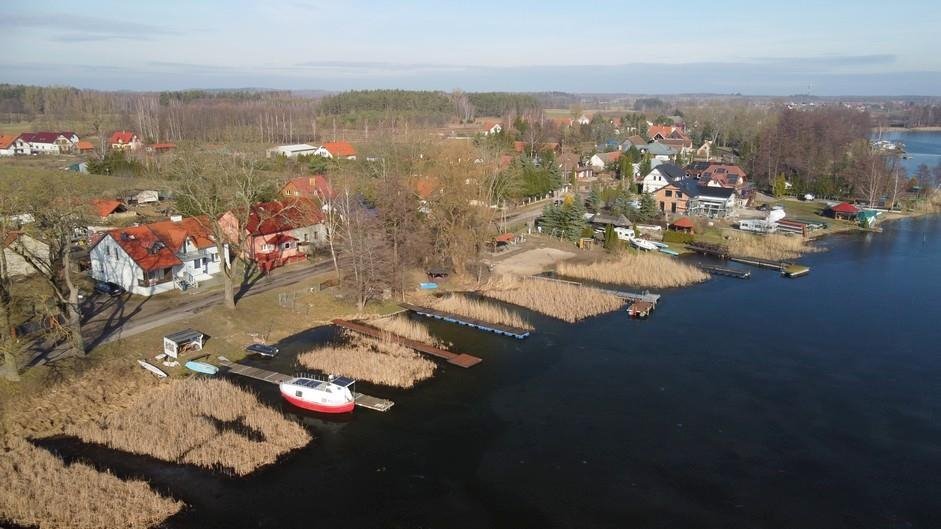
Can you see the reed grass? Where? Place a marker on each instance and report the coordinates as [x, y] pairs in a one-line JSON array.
[[407, 328], [562, 301], [198, 421], [378, 361], [774, 247], [647, 270], [40, 490], [482, 310]]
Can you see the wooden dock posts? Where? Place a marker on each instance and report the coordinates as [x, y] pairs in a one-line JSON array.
[[728, 272], [458, 359], [264, 375], [467, 321], [721, 251]]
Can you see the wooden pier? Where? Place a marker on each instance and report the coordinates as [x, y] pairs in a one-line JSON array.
[[761, 263], [458, 359], [630, 296], [362, 400], [467, 321], [716, 250], [728, 272]]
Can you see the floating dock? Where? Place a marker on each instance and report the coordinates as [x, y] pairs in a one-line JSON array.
[[795, 270], [728, 272], [467, 321], [362, 400], [458, 359], [640, 309], [630, 296], [761, 263]]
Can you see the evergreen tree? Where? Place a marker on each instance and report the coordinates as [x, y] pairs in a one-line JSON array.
[[611, 241], [779, 186], [648, 206], [633, 154], [594, 199], [645, 165]]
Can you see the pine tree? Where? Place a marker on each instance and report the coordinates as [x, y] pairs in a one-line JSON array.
[[611, 241], [648, 206], [645, 165]]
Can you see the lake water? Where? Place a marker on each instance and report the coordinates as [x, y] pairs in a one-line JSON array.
[[921, 147], [761, 403]]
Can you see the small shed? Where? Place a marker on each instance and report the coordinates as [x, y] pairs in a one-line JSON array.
[[867, 218], [683, 224], [182, 342], [604, 219], [147, 197], [844, 211]]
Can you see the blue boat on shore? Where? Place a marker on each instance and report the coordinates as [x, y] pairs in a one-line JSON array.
[[201, 367], [428, 286], [668, 251]]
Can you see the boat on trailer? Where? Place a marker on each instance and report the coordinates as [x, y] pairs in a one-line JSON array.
[[324, 396], [644, 244]]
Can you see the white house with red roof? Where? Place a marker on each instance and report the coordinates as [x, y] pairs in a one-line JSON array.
[[45, 142], [340, 150], [158, 257], [125, 140]]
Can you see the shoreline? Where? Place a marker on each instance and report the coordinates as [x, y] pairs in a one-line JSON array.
[[907, 129]]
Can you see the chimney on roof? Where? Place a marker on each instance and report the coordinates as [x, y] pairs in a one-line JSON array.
[[176, 218]]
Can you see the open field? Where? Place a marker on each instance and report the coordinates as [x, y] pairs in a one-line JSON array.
[[40, 490], [558, 300], [378, 361], [209, 423], [531, 262], [773, 246], [407, 328], [481, 310], [646, 270]]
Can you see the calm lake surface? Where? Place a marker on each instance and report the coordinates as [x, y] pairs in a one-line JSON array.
[[921, 147], [766, 403]]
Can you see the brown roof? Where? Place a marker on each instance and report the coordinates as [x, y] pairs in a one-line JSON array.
[[283, 215], [139, 241], [683, 222], [315, 186]]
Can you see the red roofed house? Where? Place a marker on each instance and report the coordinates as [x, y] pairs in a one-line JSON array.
[[6, 145], [723, 175], [843, 210], [45, 143], [158, 257], [670, 135], [85, 147], [279, 232], [337, 149], [315, 186], [125, 140], [106, 207], [491, 127]]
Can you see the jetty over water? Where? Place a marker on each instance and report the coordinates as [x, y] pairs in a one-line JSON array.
[[469, 322], [728, 272], [362, 400], [458, 359], [630, 296]]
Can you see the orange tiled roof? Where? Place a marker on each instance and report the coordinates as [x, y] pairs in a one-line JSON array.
[[6, 140], [85, 145], [138, 241], [340, 148], [105, 206], [315, 186], [122, 136]]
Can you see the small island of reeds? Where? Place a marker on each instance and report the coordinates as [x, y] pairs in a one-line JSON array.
[[381, 362], [482, 310], [562, 301], [406, 328], [644, 270], [208, 423], [774, 247]]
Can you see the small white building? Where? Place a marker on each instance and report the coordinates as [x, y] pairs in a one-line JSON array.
[[158, 257], [15, 246], [182, 342], [291, 151], [660, 176]]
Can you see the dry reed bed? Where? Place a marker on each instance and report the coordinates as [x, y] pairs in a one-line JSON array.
[[201, 422], [563, 301], [646, 270], [773, 247], [378, 361], [481, 310], [40, 490], [406, 328]]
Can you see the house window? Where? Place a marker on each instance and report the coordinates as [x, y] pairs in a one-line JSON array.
[[298, 393], [267, 247], [662, 207], [287, 246], [668, 193], [679, 194]]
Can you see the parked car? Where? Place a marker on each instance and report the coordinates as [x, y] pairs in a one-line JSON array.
[[262, 349], [109, 289]]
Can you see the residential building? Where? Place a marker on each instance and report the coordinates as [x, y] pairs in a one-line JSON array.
[[723, 175], [17, 244], [491, 127], [843, 210], [687, 197], [289, 151], [45, 143], [85, 147], [107, 208], [339, 150], [633, 141], [6, 145], [601, 160], [125, 140], [660, 176], [583, 120], [659, 151], [279, 232], [154, 258], [314, 187]]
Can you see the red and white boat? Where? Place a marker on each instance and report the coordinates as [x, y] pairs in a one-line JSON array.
[[324, 396]]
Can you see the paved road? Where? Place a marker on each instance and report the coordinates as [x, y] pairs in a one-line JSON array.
[[126, 316]]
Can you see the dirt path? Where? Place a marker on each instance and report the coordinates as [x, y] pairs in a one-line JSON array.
[[532, 262]]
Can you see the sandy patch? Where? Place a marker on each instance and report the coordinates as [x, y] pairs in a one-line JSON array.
[[532, 262]]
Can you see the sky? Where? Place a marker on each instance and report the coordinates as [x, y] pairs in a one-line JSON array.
[[853, 47]]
